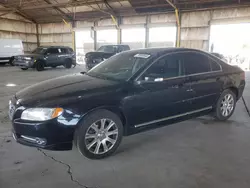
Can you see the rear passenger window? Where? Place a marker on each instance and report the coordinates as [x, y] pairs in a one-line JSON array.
[[53, 51], [195, 63], [215, 66], [64, 50]]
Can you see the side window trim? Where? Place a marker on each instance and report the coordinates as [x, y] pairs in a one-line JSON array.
[[155, 61], [171, 53], [216, 63]]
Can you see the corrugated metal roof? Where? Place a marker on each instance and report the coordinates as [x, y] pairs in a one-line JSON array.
[[56, 10]]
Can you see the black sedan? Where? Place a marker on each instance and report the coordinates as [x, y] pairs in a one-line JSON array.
[[126, 94]]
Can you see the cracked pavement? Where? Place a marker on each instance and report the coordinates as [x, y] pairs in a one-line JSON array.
[[67, 165], [195, 153]]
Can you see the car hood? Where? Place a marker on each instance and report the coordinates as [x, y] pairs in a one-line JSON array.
[[28, 55], [63, 88], [93, 55]]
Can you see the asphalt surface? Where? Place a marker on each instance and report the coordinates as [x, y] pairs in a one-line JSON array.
[[196, 153]]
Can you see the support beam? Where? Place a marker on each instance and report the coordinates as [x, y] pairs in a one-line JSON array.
[[59, 5], [178, 38], [60, 11], [73, 35], [147, 32], [119, 31], [18, 12], [95, 36], [6, 13], [37, 36]]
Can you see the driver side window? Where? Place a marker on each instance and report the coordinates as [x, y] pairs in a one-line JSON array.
[[169, 66]]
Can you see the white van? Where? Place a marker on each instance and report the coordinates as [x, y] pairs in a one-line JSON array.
[[10, 48]]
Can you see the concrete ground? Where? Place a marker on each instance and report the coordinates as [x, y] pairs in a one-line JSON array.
[[196, 153]]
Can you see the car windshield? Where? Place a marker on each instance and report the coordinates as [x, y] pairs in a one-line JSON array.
[[108, 49], [39, 51], [120, 67]]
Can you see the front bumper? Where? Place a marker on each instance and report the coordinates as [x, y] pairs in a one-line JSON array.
[[4, 59], [54, 134], [34, 142], [24, 63]]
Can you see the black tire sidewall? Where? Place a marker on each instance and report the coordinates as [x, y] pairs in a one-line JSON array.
[[86, 123], [68, 64], [218, 114], [39, 66], [11, 62]]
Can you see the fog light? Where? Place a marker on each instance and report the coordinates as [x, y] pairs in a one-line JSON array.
[[40, 141], [35, 140]]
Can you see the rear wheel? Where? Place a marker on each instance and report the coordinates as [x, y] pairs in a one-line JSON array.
[[39, 66], [68, 64], [100, 134], [24, 68], [225, 105]]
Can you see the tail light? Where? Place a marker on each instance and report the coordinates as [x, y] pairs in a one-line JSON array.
[[242, 75]]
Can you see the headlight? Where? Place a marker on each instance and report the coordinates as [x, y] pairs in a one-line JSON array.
[[41, 114], [27, 58]]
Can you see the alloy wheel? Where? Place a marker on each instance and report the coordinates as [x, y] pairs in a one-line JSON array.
[[101, 136], [227, 105]]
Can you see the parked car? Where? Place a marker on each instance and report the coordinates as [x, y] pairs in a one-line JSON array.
[[47, 56], [104, 52], [10, 48], [128, 93]]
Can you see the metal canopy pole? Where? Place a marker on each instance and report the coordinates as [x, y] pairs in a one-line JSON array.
[[178, 39]]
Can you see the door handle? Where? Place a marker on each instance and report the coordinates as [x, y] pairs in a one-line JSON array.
[[189, 90]]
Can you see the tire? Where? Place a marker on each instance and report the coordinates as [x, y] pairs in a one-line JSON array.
[[24, 68], [11, 62], [39, 66], [54, 66], [107, 139], [225, 105], [68, 64]]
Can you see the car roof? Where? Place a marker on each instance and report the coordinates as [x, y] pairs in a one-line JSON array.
[[115, 45], [54, 47], [159, 51]]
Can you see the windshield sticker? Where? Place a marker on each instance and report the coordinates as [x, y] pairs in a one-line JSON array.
[[145, 56]]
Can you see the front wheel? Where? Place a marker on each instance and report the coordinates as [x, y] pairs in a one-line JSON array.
[[39, 66], [225, 105], [99, 135]]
